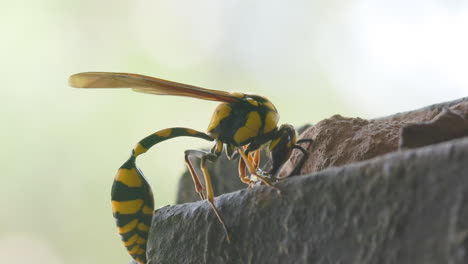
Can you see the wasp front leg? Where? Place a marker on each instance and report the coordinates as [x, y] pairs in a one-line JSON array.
[[281, 148], [305, 156], [254, 159], [253, 169], [242, 175]]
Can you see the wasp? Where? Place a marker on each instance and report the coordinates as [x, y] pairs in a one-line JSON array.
[[241, 125]]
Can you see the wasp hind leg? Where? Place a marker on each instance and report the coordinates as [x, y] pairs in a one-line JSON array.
[[206, 156]]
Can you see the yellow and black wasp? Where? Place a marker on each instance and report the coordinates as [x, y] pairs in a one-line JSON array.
[[241, 124]]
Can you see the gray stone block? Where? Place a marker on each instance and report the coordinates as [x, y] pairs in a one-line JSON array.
[[404, 207]]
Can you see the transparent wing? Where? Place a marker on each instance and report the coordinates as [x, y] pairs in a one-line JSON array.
[[146, 84]]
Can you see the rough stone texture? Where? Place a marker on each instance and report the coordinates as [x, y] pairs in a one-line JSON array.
[[339, 141], [448, 124], [404, 207], [424, 114]]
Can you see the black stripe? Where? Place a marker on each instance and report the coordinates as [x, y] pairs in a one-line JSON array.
[[154, 139], [125, 237], [129, 164], [122, 193], [122, 219]]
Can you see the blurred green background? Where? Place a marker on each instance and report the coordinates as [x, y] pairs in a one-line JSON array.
[[62, 146]]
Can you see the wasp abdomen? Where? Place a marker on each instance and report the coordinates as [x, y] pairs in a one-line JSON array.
[[132, 207]]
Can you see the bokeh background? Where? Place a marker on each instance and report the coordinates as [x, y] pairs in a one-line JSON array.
[[62, 146]]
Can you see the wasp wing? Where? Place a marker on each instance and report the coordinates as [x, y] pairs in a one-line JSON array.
[[146, 84]]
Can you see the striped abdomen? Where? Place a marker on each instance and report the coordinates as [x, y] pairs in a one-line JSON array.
[[132, 198], [132, 206]]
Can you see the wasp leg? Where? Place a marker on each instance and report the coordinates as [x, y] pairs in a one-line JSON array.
[[308, 140], [243, 177], [196, 180], [208, 156], [254, 158], [253, 171], [304, 157], [231, 152]]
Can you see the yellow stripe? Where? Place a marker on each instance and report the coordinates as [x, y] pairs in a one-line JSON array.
[[138, 150], [141, 241], [140, 251], [136, 250], [164, 132], [274, 143], [250, 129], [271, 121], [143, 227], [191, 131], [252, 101], [128, 227], [127, 207], [129, 177], [147, 210], [237, 94], [140, 260], [131, 240], [243, 134], [222, 111]]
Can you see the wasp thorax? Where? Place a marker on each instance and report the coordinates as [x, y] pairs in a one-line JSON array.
[[242, 122]]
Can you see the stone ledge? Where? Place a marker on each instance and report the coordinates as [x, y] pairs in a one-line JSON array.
[[403, 207]]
